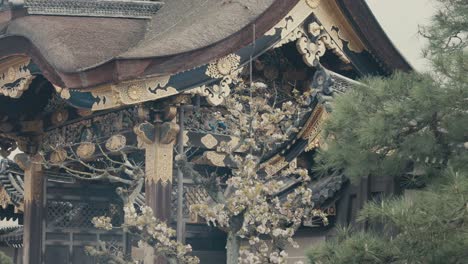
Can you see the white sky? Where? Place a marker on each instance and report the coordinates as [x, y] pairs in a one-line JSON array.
[[400, 20]]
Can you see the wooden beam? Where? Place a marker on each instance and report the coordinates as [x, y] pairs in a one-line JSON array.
[[33, 212], [158, 183]]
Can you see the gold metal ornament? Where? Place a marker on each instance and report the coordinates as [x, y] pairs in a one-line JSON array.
[[116, 143], [86, 150], [58, 156]]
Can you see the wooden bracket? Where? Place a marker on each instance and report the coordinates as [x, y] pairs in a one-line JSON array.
[[146, 132], [168, 132]]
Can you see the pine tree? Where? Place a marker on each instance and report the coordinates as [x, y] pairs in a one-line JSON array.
[[4, 259], [413, 127]]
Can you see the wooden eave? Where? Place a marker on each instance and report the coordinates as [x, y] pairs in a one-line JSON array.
[[118, 68], [374, 37]]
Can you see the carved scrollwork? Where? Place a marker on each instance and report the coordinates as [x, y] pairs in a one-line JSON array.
[[312, 41], [227, 69], [15, 77], [214, 94]]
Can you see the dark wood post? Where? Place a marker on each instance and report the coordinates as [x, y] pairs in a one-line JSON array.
[[159, 142], [33, 211]]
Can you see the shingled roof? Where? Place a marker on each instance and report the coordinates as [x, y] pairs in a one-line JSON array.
[[80, 52]]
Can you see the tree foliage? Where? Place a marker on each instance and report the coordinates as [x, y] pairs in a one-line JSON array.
[[430, 227], [414, 127], [250, 206], [4, 259]]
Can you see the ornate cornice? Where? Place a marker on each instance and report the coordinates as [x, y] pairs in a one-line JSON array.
[[94, 8], [15, 76]]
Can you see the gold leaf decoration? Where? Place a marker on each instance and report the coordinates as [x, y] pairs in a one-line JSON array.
[[86, 150], [116, 143]]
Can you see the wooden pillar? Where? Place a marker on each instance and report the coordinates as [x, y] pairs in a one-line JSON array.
[[33, 211], [159, 142], [158, 184]]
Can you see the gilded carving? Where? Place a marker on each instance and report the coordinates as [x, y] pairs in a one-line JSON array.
[[127, 92], [214, 94], [11, 74], [186, 138], [116, 143], [58, 156], [217, 159], [223, 67], [86, 150], [4, 198], [137, 91], [227, 69], [334, 21], [15, 76], [315, 29], [275, 165], [33, 181], [159, 159], [209, 141], [313, 3], [313, 128], [146, 132], [291, 22]]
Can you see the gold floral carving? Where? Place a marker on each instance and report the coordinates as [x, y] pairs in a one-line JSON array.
[[137, 91], [209, 141], [4, 198], [116, 143], [224, 66], [227, 69], [58, 156], [86, 150], [128, 92]]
